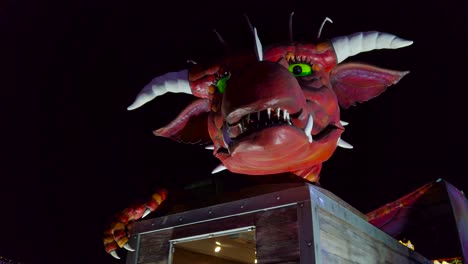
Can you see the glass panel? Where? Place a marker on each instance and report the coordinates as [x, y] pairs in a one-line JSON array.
[[227, 247]]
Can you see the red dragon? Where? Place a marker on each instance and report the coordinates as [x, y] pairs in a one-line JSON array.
[[273, 111]]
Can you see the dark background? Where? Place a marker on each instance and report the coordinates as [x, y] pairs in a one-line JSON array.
[[72, 155]]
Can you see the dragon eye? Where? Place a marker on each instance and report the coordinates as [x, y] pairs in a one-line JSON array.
[[222, 82], [300, 69]]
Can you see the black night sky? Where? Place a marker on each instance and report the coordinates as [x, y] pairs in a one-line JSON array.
[[72, 155]]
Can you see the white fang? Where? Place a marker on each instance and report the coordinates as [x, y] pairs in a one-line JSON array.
[[308, 128]]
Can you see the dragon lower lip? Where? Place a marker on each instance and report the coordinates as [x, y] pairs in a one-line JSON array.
[[324, 133]]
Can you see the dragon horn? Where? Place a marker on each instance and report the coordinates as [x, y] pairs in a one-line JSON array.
[[174, 82], [347, 46]]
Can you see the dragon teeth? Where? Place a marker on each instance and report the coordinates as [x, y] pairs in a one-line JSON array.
[[343, 123], [278, 113], [308, 128], [269, 112]]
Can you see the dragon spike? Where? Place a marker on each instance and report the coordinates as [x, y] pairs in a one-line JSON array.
[[146, 212], [174, 82], [220, 38], [344, 144], [210, 147], [258, 46], [114, 254], [128, 247], [347, 46], [219, 168], [291, 27], [327, 19], [249, 23]]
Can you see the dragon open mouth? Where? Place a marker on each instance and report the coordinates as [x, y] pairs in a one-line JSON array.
[[257, 121], [272, 117]]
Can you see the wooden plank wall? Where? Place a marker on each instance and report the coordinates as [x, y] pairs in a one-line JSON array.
[[346, 237], [276, 236]]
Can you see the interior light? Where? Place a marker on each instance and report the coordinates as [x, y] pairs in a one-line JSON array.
[[255, 261], [217, 249], [217, 243]]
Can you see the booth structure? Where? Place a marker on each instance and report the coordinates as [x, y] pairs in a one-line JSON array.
[[293, 223]]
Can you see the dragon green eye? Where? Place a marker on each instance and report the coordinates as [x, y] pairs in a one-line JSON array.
[[221, 83], [300, 69]]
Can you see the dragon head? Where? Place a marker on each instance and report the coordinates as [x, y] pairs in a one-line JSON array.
[[277, 110]]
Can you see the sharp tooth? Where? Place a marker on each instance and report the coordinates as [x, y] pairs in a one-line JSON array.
[[344, 144], [241, 127], [219, 168], [248, 118], [285, 115], [269, 112], [278, 112], [308, 128], [210, 147], [343, 123]]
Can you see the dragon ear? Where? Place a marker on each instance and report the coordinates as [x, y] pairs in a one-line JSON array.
[[190, 126], [355, 82]]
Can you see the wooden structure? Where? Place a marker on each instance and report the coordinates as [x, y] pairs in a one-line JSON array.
[[299, 223]]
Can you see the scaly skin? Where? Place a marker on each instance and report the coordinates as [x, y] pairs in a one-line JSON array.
[[116, 236]]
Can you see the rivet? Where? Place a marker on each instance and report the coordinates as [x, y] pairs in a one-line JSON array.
[[210, 212], [309, 244], [278, 198], [180, 219]]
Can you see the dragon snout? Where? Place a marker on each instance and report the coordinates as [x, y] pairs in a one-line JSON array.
[[261, 86]]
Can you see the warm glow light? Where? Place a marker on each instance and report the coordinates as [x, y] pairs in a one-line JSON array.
[[255, 261], [217, 249], [408, 244], [217, 243]]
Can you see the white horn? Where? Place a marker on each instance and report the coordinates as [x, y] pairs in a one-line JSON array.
[[347, 46], [258, 46], [174, 82]]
